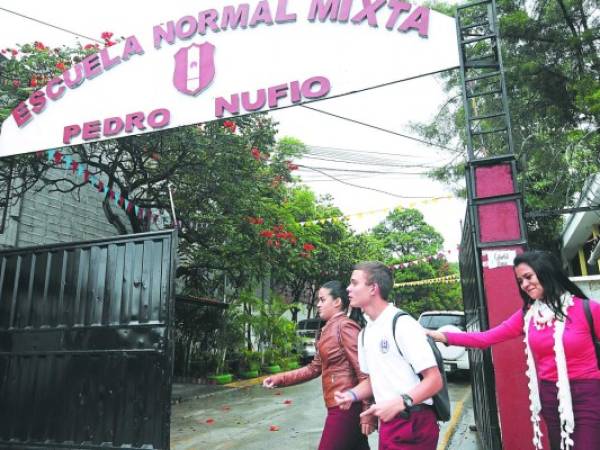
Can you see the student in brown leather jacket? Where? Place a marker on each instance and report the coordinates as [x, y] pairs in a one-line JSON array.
[[336, 361]]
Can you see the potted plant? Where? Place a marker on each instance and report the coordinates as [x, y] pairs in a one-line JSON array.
[[249, 364], [271, 358]]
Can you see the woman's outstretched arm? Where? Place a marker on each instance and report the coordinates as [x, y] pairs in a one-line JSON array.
[[509, 329]]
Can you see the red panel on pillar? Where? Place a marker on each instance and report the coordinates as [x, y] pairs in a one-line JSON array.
[[499, 222], [493, 180]]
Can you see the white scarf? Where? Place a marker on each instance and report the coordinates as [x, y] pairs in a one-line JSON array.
[[543, 316]]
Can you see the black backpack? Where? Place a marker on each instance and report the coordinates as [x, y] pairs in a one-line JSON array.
[[590, 321], [441, 400]]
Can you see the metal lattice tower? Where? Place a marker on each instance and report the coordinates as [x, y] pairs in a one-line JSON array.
[[482, 76]]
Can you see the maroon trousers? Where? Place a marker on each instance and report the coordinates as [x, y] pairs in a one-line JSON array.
[[342, 430], [419, 432], [585, 395]]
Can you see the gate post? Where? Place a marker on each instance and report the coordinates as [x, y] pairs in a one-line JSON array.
[[497, 236], [493, 233]]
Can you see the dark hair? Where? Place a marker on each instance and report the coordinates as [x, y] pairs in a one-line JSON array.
[[378, 273], [552, 277], [337, 290]]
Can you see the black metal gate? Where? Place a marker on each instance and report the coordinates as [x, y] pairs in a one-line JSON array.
[[482, 369], [85, 344]]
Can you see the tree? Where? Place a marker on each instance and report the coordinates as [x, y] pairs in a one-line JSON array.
[[550, 54], [413, 247], [405, 233]]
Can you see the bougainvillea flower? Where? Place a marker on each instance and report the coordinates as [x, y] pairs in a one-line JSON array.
[[230, 124], [106, 35], [308, 247]]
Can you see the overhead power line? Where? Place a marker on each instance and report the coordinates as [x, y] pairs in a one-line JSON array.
[[385, 130], [365, 187], [335, 169], [49, 24]]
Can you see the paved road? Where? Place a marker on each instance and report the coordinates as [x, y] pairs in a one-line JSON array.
[[254, 418]]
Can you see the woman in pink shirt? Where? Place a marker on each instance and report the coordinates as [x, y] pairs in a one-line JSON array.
[[562, 364]]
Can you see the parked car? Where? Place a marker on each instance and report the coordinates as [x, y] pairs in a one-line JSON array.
[[308, 330], [456, 359]]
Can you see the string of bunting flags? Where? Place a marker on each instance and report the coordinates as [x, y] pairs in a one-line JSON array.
[[440, 280], [361, 214], [415, 262], [67, 162]]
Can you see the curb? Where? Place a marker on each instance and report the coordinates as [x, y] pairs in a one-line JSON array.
[[456, 415], [230, 387]]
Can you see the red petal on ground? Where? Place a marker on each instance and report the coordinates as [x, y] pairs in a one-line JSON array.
[[273, 428], [287, 402], [210, 421]]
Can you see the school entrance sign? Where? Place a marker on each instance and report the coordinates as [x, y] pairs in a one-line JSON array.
[[229, 60]]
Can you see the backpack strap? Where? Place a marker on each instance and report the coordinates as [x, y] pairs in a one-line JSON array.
[[590, 321], [399, 314]]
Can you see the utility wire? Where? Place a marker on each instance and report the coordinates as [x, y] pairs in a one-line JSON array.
[[319, 149], [373, 163], [364, 187], [49, 24], [375, 127], [362, 171]]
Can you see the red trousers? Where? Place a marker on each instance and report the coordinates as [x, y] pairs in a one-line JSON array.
[[585, 395], [342, 430], [419, 432]]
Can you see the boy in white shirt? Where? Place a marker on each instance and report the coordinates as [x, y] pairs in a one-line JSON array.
[[402, 384]]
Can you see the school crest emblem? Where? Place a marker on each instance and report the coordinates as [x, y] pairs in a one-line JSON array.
[[194, 68], [384, 345]]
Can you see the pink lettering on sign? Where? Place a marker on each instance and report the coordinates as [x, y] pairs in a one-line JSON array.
[[194, 68], [336, 10], [233, 18], [112, 126], [371, 12], [417, 20], [229, 19], [92, 66], [314, 87]]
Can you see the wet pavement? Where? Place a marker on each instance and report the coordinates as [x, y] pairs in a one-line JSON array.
[[253, 418]]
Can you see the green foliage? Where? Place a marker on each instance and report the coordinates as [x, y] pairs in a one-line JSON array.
[[407, 238], [552, 63], [405, 233]]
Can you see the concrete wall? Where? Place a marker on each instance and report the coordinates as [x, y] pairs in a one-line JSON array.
[[46, 217], [590, 285]]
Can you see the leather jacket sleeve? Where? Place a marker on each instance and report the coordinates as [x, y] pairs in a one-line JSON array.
[[349, 340], [308, 372]]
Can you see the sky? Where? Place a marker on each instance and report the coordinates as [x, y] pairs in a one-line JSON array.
[[338, 148]]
